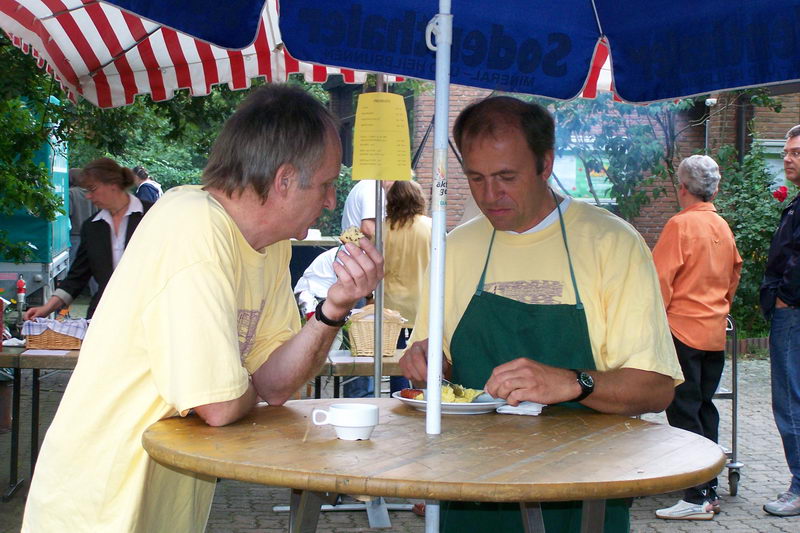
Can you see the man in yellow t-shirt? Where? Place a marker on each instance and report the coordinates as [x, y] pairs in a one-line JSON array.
[[199, 315], [547, 299]]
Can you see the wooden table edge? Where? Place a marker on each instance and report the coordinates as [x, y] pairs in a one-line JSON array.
[[487, 492]]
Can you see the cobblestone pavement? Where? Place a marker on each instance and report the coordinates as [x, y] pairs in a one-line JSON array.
[[247, 508]]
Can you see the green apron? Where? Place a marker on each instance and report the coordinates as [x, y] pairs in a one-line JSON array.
[[495, 330]]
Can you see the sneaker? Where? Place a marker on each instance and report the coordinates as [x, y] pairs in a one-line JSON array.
[[684, 510], [787, 504]]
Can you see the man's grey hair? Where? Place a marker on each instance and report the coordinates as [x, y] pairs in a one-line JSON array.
[[700, 175], [794, 131], [275, 125]]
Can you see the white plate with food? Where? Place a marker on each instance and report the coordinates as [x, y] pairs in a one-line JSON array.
[[478, 407]]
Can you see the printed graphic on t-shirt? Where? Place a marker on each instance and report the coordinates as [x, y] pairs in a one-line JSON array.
[[247, 322], [537, 291]]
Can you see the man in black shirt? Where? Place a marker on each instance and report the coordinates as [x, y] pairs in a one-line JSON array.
[[780, 298]]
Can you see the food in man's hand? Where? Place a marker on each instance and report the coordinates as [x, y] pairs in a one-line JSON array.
[[351, 234], [448, 394]]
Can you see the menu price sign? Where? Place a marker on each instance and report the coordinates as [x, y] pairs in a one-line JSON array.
[[382, 150]]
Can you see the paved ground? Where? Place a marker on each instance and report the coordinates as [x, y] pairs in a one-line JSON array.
[[245, 508]]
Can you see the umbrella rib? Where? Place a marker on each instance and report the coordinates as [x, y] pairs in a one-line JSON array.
[[114, 58], [70, 10], [597, 19]]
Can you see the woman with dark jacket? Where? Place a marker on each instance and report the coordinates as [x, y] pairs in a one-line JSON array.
[[104, 235]]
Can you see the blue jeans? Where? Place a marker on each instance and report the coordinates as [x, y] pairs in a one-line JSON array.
[[360, 387], [784, 351]]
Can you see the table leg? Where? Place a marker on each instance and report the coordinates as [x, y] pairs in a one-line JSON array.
[[431, 516], [337, 382], [378, 513], [34, 419], [317, 388], [13, 471], [593, 516], [532, 519], [304, 509]]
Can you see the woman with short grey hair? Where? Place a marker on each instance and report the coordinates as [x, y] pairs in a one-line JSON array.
[[700, 175]]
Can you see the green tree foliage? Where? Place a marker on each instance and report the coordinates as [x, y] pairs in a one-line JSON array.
[[632, 145], [171, 139], [745, 201], [25, 118]]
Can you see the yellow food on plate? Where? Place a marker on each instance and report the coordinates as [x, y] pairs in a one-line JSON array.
[[351, 234], [449, 395]]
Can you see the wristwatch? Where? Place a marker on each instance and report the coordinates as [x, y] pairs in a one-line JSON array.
[[586, 381], [319, 315]]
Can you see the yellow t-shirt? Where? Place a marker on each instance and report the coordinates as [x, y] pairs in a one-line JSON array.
[[407, 251], [189, 312], [615, 276]]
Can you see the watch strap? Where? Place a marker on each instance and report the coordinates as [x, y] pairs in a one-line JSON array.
[[319, 315], [585, 390]]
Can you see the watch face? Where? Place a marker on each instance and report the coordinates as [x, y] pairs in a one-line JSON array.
[[586, 380]]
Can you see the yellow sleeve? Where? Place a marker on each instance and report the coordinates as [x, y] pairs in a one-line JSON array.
[[191, 333], [280, 320], [637, 332]]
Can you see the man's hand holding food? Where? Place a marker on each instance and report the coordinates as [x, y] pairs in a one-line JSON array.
[[358, 267]]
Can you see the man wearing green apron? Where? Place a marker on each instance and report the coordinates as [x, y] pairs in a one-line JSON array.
[[546, 299]]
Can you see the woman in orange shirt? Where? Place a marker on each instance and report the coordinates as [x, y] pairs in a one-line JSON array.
[[698, 267]]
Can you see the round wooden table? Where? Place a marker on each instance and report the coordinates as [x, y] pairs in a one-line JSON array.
[[561, 455]]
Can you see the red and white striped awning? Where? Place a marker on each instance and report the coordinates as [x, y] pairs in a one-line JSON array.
[[108, 56]]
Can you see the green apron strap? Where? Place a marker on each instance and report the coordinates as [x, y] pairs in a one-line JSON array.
[[578, 303], [479, 288]]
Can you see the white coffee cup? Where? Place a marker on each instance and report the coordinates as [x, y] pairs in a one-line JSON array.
[[352, 421]]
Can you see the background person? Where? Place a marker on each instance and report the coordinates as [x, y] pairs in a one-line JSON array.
[[698, 268], [359, 211], [199, 315], [313, 285], [780, 303], [547, 299], [104, 236], [147, 189], [406, 250], [359, 207], [80, 208]]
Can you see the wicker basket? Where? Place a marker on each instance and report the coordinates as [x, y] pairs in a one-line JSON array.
[[52, 340], [362, 331]]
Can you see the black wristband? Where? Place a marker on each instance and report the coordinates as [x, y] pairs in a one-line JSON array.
[[586, 381], [318, 314]]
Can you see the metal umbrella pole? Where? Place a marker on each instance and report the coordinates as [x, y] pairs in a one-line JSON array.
[[442, 27], [378, 332]]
